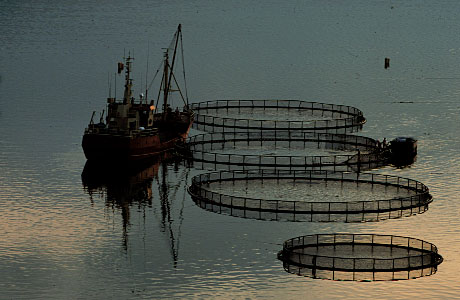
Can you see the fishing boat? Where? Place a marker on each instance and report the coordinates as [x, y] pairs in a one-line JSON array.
[[135, 129]]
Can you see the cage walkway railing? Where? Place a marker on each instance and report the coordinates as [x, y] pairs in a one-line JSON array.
[[200, 190], [419, 255], [213, 149], [341, 118]]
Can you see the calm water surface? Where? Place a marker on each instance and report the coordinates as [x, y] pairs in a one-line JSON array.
[[138, 234], [307, 191]]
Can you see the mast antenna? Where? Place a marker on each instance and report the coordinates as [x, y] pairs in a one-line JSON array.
[[141, 100], [109, 83], [147, 73]]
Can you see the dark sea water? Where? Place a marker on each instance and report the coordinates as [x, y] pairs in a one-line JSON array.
[[140, 235]]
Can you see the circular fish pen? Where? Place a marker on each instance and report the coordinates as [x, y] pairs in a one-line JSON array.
[[359, 257], [256, 115], [309, 195], [285, 150]]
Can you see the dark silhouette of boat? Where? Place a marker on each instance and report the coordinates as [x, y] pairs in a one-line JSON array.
[[136, 129]]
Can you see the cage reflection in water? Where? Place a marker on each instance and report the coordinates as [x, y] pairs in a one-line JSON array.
[[286, 150], [295, 115], [359, 257], [206, 193]]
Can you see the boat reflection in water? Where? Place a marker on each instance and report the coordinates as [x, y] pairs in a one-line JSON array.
[[141, 186]]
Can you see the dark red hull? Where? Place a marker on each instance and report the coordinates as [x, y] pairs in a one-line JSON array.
[[98, 146]]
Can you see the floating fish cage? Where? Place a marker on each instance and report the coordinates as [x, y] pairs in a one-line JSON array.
[[300, 195], [285, 150], [359, 257], [257, 115]]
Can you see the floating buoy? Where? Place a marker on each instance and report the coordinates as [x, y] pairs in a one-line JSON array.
[[387, 62]]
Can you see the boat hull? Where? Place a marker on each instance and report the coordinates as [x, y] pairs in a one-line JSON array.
[[104, 146]]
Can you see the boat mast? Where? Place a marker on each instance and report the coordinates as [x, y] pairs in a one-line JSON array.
[[128, 82], [168, 77], [166, 85]]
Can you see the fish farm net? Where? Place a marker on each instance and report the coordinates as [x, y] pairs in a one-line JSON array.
[[257, 115], [314, 196], [285, 150], [359, 257]]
